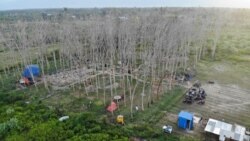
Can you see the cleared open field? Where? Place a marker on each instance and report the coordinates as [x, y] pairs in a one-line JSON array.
[[229, 98], [224, 102]]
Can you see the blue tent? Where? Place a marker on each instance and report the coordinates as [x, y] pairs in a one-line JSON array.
[[185, 120], [31, 70]]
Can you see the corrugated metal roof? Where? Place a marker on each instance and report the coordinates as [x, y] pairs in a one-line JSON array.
[[215, 126], [224, 134], [239, 129], [223, 129], [246, 138]]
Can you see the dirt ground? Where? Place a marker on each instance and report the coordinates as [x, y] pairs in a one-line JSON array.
[[228, 103]]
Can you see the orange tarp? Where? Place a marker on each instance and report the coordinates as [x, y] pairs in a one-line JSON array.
[[112, 107]]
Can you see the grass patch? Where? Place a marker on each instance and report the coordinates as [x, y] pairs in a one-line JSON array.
[[153, 114]]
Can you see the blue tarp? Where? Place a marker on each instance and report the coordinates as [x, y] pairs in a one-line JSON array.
[[31, 70], [185, 120]]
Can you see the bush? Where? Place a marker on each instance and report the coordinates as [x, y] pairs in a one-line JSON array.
[[6, 127]]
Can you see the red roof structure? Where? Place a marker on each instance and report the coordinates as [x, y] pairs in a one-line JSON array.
[[112, 107]]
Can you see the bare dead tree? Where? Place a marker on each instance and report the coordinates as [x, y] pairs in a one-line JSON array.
[[137, 47]]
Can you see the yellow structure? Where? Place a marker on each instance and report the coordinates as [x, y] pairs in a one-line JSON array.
[[120, 119]]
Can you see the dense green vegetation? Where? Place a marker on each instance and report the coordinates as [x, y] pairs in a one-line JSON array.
[[36, 121], [25, 117]]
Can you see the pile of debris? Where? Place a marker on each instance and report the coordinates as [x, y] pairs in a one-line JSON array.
[[195, 93], [69, 77]]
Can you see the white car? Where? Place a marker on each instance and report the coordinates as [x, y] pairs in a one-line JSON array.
[[167, 129]]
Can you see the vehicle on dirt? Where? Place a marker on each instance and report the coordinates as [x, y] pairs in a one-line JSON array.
[[167, 129]]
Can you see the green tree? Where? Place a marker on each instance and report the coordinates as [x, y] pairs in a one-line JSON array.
[[50, 130]]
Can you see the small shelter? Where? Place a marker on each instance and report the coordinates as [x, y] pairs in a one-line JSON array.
[[185, 120], [112, 107], [225, 131], [31, 71]]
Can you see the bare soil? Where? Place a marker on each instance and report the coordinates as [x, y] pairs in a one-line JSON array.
[[228, 103]]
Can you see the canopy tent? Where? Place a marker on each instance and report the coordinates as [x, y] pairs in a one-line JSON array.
[[31, 71], [112, 107]]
